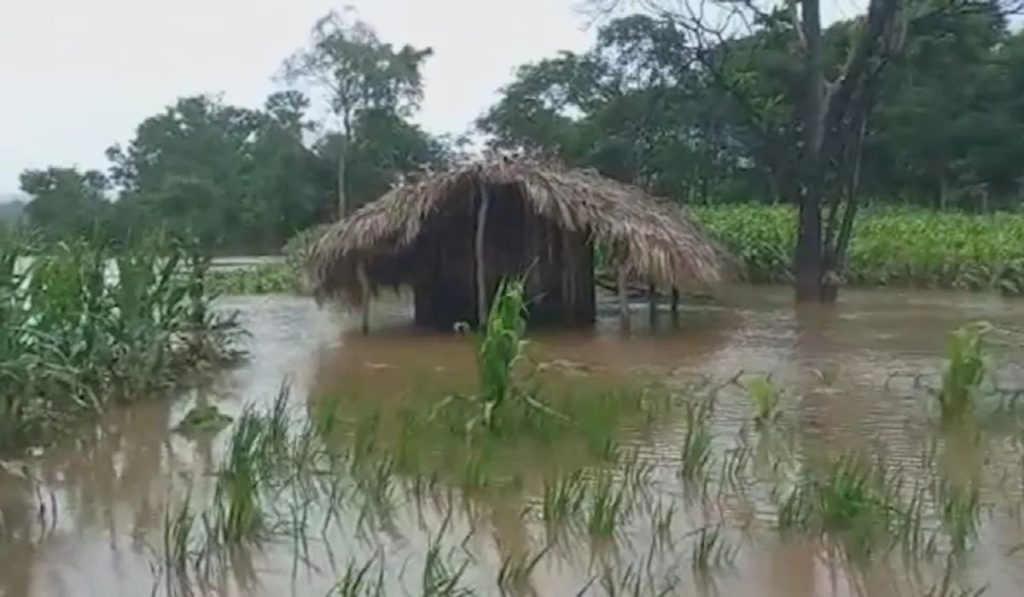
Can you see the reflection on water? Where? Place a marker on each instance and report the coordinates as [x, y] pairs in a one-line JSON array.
[[86, 517]]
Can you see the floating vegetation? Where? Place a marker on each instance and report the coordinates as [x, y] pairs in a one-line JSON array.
[[203, 419]]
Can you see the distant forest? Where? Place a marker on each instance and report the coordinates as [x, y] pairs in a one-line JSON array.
[[647, 104]]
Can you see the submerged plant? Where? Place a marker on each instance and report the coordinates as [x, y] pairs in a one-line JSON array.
[[500, 346], [238, 514], [82, 325], [606, 505], [695, 454], [765, 397], [515, 572], [562, 498], [853, 501], [710, 551], [359, 582], [965, 371]]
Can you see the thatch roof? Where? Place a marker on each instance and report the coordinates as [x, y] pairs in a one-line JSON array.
[[656, 242]]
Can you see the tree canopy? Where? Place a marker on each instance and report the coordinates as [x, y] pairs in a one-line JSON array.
[[245, 179], [646, 104]]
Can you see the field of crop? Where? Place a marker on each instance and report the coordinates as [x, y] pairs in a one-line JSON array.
[[890, 247], [902, 247], [81, 327]]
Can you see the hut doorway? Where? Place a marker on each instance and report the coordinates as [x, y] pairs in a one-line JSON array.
[[492, 233]]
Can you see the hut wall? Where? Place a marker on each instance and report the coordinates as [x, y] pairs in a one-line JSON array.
[[559, 264]]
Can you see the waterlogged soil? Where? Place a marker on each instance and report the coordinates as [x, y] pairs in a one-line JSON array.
[[88, 517]]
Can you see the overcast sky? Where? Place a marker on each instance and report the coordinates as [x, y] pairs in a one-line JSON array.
[[78, 75]]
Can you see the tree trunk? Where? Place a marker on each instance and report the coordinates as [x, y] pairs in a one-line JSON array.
[[342, 178], [808, 258], [943, 193]]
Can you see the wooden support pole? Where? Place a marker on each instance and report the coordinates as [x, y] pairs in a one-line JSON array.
[[364, 285], [481, 272], [652, 303], [623, 299], [675, 306]]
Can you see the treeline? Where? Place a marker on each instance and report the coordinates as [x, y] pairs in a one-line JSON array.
[[245, 179], [644, 105], [648, 104]]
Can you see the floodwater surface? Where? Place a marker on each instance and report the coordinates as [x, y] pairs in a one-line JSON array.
[[88, 516]]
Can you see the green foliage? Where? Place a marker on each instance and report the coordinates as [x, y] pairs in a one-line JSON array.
[[966, 368], [719, 121], [203, 419], [245, 180], [66, 203], [853, 501], [765, 397], [695, 454], [81, 326], [899, 247], [500, 345]]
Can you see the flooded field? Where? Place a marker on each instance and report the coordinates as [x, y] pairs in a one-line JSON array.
[[748, 450]]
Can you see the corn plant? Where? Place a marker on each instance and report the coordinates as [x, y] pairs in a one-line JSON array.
[[500, 346], [965, 372]]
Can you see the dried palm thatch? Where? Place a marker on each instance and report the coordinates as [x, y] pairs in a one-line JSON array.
[[655, 242]]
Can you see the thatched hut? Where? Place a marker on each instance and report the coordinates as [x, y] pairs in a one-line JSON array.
[[453, 236]]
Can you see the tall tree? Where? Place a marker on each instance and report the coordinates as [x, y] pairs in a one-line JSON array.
[[189, 166], [358, 74], [66, 203]]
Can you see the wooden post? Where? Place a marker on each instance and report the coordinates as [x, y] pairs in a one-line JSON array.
[[652, 303], [623, 299], [675, 306], [364, 285], [481, 272]]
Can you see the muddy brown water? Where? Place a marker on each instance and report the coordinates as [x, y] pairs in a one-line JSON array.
[[86, 517]]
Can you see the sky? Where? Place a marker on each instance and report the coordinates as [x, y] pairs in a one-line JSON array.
[[76, 76]]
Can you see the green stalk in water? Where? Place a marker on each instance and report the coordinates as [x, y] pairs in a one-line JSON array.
[[854, 501], [501, 345], [177, 536], [696, 451], [965, 371], [358, 581], [711, 551], [606, 506], [515, 572], [442, 578], [765, 397], [563, 498], [238, 516]]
